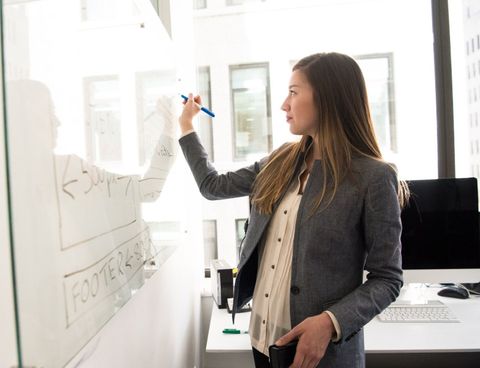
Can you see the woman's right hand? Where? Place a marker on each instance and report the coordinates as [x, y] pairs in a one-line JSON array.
[[190, 109]]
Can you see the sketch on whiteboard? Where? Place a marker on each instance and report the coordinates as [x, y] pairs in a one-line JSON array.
[[87, 287], [78, 228]]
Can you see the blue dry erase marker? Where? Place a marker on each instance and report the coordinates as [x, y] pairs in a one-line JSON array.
[[204, 109]]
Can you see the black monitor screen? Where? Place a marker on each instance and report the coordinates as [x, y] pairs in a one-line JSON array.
[[441, 225]]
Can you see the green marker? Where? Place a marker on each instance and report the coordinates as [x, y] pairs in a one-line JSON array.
[[234, 331]]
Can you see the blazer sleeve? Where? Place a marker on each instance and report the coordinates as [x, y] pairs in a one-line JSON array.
[[382, 230], [211, 184]]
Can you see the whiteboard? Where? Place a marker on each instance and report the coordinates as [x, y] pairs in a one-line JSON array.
[[85, 203]]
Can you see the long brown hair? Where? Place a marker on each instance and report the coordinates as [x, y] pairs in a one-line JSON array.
[[345, 130]]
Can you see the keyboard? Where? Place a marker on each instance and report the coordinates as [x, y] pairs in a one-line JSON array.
[[433, 311]]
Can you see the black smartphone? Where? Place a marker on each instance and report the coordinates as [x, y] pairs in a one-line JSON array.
[[282, 356]]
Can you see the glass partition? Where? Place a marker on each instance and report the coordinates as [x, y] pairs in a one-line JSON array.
[[97, 204]]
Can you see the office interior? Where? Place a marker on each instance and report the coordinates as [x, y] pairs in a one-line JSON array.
[[107, 75]]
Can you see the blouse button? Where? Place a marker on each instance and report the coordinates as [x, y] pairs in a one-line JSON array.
[[279, 239], [266, 295], [285, 212]]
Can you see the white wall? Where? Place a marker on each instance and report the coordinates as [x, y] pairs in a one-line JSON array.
[[8, 350]]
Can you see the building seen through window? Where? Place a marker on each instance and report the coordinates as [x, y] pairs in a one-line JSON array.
[[465, 51]]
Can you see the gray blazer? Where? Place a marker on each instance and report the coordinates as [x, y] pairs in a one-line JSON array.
[[360, 229]]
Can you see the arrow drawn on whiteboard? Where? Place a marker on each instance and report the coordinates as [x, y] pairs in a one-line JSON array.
[[65, 184], [66, 191]]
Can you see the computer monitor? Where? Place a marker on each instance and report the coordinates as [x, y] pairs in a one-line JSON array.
[[440, 235]]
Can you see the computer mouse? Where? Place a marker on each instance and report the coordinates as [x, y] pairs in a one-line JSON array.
[[454, 292]]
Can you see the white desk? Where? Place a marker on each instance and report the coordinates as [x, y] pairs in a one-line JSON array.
[[387, 345], [224, 350]]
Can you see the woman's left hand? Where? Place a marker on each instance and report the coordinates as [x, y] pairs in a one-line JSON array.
[[314, 335]]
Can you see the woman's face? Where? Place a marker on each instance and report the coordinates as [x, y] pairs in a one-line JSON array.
[[301, 112]]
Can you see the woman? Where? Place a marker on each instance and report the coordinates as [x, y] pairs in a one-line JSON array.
[[323, 209]]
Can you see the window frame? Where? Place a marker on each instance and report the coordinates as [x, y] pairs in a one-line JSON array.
[[443, 88]]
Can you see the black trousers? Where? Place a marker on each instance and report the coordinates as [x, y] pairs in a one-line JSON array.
[[261, 360]]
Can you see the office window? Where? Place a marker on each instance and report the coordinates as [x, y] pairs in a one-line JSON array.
[[103, 119], [250, 90], [205, 127], [239, 234], [209, 242], [398, 64]]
